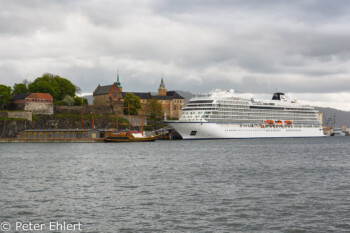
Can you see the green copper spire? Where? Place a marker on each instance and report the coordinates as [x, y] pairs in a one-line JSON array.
[[118, 82]]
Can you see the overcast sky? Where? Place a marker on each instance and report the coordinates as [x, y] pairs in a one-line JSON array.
[[300, 47]]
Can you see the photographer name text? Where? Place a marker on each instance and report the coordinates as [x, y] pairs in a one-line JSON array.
[[50, 226]]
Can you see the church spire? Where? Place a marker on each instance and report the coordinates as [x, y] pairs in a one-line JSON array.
[[162, 84], [162, 89], [118, 82]]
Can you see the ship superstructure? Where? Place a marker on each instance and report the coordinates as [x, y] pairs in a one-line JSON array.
[[226, 114]]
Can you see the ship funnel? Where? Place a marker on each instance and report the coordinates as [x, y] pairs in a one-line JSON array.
[[278, 96]]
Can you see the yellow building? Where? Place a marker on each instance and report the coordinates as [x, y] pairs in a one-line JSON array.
[[170, 101], [320, 117]]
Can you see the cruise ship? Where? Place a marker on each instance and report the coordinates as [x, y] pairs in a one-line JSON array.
[[229, 115]]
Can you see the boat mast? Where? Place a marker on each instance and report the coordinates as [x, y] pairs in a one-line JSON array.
[[93, 115], [142, 121], [81, 117], [129, 117], [116, 118]]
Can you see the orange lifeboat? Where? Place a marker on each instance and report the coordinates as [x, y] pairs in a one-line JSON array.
[[269, 122], [288, 122], [279, 122]]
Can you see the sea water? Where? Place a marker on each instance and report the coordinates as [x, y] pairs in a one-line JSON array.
[[268, 185]]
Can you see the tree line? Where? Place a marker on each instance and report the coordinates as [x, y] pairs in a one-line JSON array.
[[62, 90]]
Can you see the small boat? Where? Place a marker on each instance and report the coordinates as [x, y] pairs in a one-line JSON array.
[[337, 132], [288, 122], [269, 122], [129, 137], [279, 122]]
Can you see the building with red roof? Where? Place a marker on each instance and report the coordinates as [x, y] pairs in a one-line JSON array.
[[37, 103]]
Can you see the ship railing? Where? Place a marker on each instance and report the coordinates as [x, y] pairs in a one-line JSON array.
[[201, 96]]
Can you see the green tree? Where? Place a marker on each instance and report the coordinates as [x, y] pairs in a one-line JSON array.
[[19, 88], [65, 87], [5, 94], [78, 101], [68, 100], [133, 102], [57, 86], [45, 84], [155, 108]]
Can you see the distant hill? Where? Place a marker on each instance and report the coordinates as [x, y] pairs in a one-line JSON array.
[[340, 117], [186, 94]]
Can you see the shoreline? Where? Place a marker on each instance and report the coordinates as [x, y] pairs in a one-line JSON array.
[[51, 140]]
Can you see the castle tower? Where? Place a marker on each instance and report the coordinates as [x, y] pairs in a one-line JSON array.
[[118, 83], [162, 89]]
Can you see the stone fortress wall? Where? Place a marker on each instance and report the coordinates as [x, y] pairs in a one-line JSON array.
[[17, 114], [39, 108]]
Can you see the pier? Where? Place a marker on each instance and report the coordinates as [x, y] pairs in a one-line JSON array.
[[77, 135], [50, 140]]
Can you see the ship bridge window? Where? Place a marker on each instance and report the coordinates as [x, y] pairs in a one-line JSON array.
[[274, 108]]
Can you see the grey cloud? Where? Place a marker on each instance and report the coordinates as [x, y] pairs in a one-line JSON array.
[[304, 10], [25, 17], [198, 45]]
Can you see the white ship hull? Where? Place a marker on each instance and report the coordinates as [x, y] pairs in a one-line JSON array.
[[224, 115], [205, 130]]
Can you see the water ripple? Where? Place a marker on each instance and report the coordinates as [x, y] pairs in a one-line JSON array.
[[299, 185]]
